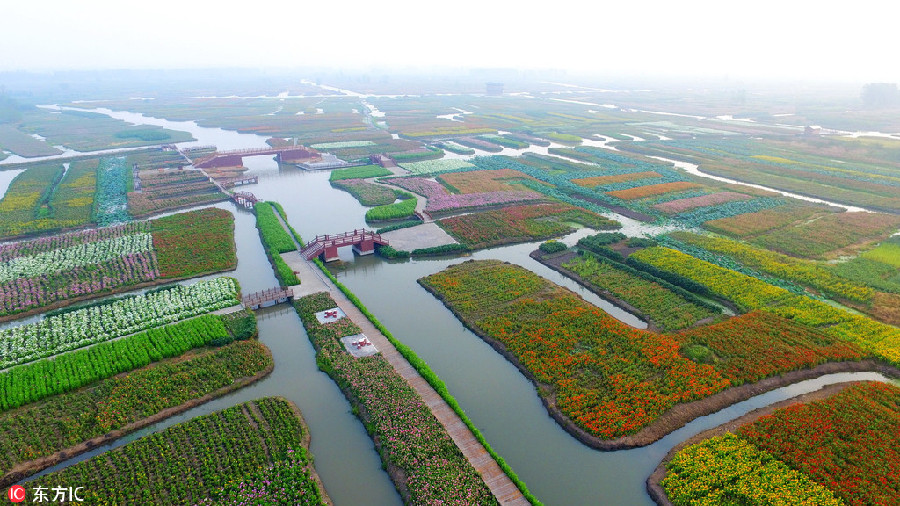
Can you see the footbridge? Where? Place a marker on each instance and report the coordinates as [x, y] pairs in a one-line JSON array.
[[362, 240], [288, 154]]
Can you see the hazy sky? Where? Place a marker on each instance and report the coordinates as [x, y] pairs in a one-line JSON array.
[[848, 41]]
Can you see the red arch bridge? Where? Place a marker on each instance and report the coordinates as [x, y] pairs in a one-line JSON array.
[[362, 240]]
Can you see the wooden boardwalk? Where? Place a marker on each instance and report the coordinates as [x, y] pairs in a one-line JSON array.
[[498, 482]]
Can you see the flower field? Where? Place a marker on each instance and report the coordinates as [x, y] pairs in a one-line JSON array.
[[206, 454], [749, 293], [432, 166], [28, 293], [440, 200], [115, 402], [682, 205], [120, 317], [667, 309], [408, 436], [165, 190], [362, 172], [27, 193], [31, 382], [611, 379], [520, 224], [653, 189], [840, 450], [849, 443], [45, 271], [728, 470], [483, 181], [73, 257], [42, 199], [818, 237], [590, 182], [750, 224], [342, 144], [801, 271], [194, 243], [368, 194]]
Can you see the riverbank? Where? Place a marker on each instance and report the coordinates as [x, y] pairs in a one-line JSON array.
[[680, 414], [655, 489], [27, 468]]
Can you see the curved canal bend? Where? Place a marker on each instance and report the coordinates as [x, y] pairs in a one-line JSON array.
[[500, 401]]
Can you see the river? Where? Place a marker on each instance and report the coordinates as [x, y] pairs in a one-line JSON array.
[[500, 401]]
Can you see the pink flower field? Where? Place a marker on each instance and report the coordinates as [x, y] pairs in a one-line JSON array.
[[682, 205]]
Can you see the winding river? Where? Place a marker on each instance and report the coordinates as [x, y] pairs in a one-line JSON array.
[[500, 401]]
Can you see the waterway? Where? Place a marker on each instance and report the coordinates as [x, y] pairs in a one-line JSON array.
[[501, 402]]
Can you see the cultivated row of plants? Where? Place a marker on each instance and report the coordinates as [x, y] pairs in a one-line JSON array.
[[840, 450], [206, 456], [610, 379], [833, 231], [115, 318], [410, 439], [37, 380], [65, 420]]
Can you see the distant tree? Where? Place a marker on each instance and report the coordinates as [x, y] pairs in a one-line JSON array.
[[880, 95]]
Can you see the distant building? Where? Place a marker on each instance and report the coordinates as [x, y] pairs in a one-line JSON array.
[[812, 130], [494, 89]]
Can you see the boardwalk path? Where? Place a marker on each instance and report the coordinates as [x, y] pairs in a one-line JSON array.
[[501, 486]]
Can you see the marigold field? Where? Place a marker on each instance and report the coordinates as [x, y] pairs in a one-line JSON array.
[[609, 378], [840, 450]]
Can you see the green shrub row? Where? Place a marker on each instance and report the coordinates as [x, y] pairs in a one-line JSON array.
[[396, 211], [671, 277], [390, 252], [444, 249], [273, 236], [398, 226], [552, 247], [685, 294], [63, 373]]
